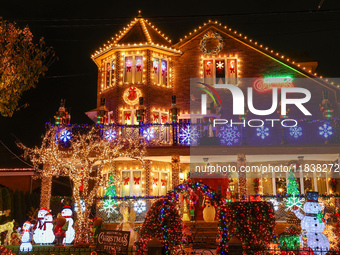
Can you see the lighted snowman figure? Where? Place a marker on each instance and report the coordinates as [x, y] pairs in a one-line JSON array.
[[39, 231], [26, 245], [48, 229], [313, 223], [70, 233], [209, 210]]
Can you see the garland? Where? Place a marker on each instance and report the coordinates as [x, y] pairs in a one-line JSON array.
[[332, 182], [256, 185]]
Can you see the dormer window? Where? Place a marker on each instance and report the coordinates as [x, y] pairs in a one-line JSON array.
[[220, 71], [160, 71], [133, 69]]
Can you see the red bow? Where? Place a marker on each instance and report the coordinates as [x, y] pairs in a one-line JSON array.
[[255, 198], [208, 71], [155, 68], [126, 181], [128, 69], [155, 117], [163, 182], [139, 68], [136, 180], [127, 116], [163, 72], [155, 181], [164, 119], [132, 93]]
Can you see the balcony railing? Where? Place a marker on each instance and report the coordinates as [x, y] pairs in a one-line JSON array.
[[190, 134]]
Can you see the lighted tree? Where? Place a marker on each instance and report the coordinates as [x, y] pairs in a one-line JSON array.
[[293, 192], [83, 162], [22, 62], [111, 189]]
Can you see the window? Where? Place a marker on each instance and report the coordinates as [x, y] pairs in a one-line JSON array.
[[162, 131], [133, 70], [131, 183], [129, 117], [109, 71], [160, 183], [160, 71], [220, 71]]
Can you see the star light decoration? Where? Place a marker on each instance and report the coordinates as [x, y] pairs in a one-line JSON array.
[[325, 130], [149, 134], [262, 132], [139, 206], [110, 134], [109, 207], [229, 135], [188, 135], [65, 135], [295, 132]]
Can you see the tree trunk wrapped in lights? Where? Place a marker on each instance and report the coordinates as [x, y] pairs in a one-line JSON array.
[[82, 157]]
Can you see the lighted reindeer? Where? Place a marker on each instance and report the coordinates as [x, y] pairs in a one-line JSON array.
[[9, 228]]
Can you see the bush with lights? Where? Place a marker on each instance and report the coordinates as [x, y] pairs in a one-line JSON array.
[[162, 222], [252, 223]]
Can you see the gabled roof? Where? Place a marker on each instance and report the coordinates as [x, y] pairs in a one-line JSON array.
[[255, 46], [139, 33]]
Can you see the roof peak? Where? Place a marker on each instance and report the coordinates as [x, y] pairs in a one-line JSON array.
[[139, 14]]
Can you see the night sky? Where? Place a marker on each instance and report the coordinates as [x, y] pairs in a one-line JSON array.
[[75, 29]]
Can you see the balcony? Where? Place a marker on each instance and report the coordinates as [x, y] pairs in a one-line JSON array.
[[307, 132]]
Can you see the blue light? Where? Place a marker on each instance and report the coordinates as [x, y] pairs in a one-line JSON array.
[[229, 135], [325, 130], [110, 134], [65, 135], [188, 135], [262, 132], [148, 134], [295, 132]]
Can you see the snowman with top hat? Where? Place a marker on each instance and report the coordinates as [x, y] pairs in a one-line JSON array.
[[25, 232], [313, 223], [70, 233]]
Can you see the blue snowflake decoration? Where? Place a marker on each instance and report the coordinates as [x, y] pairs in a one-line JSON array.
[[262, 132], [110, 134], [65, 135], [188, 135], [325, 130], [229, 135], [148, 134], [295, 132]]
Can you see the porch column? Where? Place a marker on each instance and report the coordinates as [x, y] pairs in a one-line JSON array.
[[274, 183], [242, 177], [327, 182], [315, 180], [148, 186], [46, 187], [302, 184], [175, 161]]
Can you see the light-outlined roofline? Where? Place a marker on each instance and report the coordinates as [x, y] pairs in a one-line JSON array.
[[276, 56], [153, 38]]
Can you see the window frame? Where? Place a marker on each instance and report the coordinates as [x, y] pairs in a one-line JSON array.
[[159, 173], [131, 171], [159, 71], [214, 60], [133, 69]]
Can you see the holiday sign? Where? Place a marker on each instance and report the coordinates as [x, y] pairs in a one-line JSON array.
[[113, 241]]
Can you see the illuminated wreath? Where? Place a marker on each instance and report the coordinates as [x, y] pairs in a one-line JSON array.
[[131, 95], [211, 35]]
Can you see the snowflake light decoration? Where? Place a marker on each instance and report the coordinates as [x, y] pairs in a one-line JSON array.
[[275, 203], [325, 130], [295, 132], [262, 132], [65, 135], [220, 65], [110, 134], [229, 135], [82, 203], [293, 200], [188, 135], [148, 134], [109, 207], [139, 206]]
